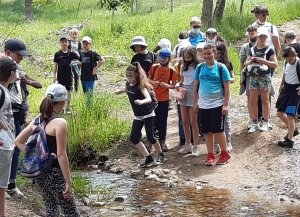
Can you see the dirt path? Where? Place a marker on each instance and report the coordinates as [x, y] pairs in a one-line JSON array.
[[257, 165]]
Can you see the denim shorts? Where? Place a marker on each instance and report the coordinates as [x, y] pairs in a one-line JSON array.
[[5, 165], [262, 82]]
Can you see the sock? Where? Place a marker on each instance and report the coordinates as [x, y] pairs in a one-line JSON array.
[[255, 121], [11, 185]]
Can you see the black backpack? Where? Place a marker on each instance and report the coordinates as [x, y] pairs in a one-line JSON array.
[[2, 97], [219, 65]]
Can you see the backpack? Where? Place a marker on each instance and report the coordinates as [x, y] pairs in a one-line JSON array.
[[257, 69], [154, 102], [78, 46], [297, 69], [171, 72], [2, 97], [219, 65], [37, 159]]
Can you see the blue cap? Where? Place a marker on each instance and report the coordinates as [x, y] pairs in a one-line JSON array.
[[164, 54]]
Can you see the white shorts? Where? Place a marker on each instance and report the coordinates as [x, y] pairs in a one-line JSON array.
[[5, 165]]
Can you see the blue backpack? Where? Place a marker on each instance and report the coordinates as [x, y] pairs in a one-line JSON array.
[[37, 159]]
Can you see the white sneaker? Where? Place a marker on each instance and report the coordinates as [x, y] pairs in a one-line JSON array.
[[270, 126], [217, 149], [229, 147], [7, 196], [185, 149], [253, 128], [264, 127], [195, 151], [15, 192], [249, 125]]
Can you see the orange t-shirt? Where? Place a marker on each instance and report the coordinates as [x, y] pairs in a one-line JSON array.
[[162, 75]]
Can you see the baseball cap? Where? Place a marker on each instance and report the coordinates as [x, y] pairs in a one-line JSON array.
[[138, 40], [63, 38], [56, 92], [164, 54], [164, 43], [290, 33], [17, 46], [87, 39], [211, 31], [262, 31], [200, 45], [7, 64]]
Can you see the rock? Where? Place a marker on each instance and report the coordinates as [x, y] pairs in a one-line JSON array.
[[152, 176], [158, 202], [86, 201], [116, 170], [244, 209], [98, 204], [134, 173], [120, 199], [282, 199], [161, 180], [148, 172], [93, 166], [117, 208], [166, 171], [198, 187]]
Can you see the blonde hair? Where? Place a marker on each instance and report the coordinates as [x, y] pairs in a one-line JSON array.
[[74, 30]]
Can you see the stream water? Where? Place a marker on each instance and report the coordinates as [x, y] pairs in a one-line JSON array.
[[148, 198]]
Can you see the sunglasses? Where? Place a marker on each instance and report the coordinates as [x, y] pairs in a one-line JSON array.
[[196, 27]]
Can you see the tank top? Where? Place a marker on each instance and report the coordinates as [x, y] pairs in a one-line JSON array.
[[52, 146]]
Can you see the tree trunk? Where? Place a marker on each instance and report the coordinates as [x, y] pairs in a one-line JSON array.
[[206, 17], [241, 6], [28, 11], [218, 13]]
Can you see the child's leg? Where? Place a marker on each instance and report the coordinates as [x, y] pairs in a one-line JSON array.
[[194, 123], [221, 139], [84, 89], [149, 126], [186, 123], [227, 127], [162, 118], [253, 102], [76, 77], [209, 141], [283, 117], [136, 128], [180, 126], [265, 94], [291, 126], [2, 202]]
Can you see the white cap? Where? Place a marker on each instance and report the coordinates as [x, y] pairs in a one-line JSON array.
[[57, 92], [164, 43], [200, 45], [87, 39], [262, 31]]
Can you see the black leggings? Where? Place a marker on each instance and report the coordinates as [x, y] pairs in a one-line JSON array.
[[136, 129]]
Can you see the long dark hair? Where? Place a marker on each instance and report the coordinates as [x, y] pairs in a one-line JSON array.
[[142, 77], [191, 51], [46, 107], [224, 58]]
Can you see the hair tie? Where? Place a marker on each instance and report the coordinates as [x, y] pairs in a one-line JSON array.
[[50, 96]]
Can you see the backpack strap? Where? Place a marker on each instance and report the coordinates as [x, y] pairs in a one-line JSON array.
[[79, 45], [298, 69], [153, 57], [219, 65], [155, 67], [252, 51], [171, 74], [198, 72], [2, 98], [272, 29]]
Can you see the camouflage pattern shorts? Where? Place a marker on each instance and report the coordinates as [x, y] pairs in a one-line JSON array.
[[262, 82]]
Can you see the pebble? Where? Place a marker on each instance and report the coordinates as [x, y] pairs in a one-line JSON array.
[[117, 208]]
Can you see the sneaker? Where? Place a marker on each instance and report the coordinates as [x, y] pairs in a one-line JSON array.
[[160, 159], [264, 127], [147, 162], [7, 196], [210, 159], [253, 128], [15, 192], [195, 151], [217, 149], [270, 126], [68, 111], [163, 146], [229, 147], [296, 132], [286, 143], [249, 125], [148, 146], [185, 149], [224, 158]]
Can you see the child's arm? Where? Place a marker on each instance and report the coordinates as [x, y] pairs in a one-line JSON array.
[[226, 97], [146, 100], [54, 72], [117, 92], [21, 139], [195, 95], [100, 63], [282, 82]]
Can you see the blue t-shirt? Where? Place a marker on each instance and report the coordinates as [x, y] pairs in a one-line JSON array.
[[196, 39], [210, 92]]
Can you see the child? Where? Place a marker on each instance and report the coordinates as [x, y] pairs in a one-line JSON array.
[[195, 35], [189, 117], [62, 73], [199, 49], [56, 184], [213, 102], [75, 45], [137, 88], [142, 55], [183, 36], [90, 63], [7, 128], [163, 43], [162, 79], [213, 37], [288, 99]]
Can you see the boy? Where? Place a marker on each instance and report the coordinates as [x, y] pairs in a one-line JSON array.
[[212, 97], [162, 77], [7, 128], [75, 45], [62, 73], [288, 99], [90, 62], [195, 35], [183, 36]]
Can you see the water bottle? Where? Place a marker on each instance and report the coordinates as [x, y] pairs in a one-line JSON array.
[[75, 67]]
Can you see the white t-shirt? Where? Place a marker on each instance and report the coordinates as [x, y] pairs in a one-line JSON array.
[[290, 72], [7, 138], [74, 47], [15, 90], [188, 75]]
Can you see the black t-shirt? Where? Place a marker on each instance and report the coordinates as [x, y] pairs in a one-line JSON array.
[[63, 61], [89, 62], [134, 93], [146, 60], [296, 46]]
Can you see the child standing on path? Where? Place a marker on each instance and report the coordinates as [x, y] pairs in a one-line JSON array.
[[195, 35], [56, 184], [212, 97], [288, 99], [137, 88], [62, 73], [7, 128], [162, 77]]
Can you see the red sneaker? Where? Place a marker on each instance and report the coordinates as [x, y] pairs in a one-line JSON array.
[[210, 159], [224, 158]]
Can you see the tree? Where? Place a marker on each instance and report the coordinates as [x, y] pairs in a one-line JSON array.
[[241, 6], [113, 4], [206, 17], [219, 10], [28, 11]]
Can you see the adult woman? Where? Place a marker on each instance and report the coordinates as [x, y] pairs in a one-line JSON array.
[[259, 63], [56, 184]]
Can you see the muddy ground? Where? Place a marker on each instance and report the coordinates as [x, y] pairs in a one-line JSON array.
[[257, 164]]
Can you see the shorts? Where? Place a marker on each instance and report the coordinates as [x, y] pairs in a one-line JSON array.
[[188, 96], [5, 165], [211, 120], [67, 83], [288, 102], [262, 82]]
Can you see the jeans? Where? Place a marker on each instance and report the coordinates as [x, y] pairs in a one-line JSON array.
[[16, 155], [88, 89], [161, 119]]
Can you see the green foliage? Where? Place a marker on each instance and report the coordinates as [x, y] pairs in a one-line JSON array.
[[113, 4]]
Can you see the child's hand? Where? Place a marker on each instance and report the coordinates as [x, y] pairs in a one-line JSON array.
[[94, 71], [138, 102], [298, 92], [224, 110], [156, 83], [164, 84], [178, 84]]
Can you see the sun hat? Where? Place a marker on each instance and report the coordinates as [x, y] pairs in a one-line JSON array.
[[7, 64], [164, 43], [17, 46], [87, 39], [164, 54], [290, 33], [262, 31], [57, 92], [200, 45], [138, 40]]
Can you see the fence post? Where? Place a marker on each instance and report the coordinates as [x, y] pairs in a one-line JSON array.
[[172, 6]]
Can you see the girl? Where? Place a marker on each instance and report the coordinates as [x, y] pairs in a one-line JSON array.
[[187, 71], [56, 184], [137, 88], [264, 55], [213, 37]]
